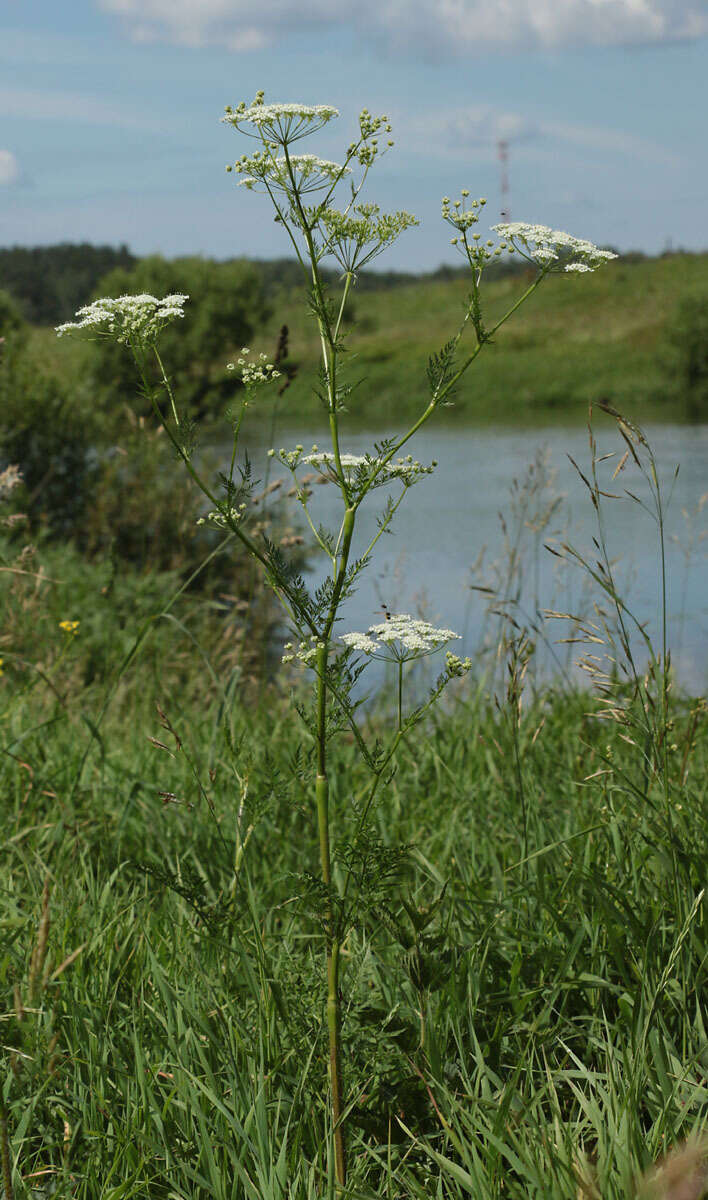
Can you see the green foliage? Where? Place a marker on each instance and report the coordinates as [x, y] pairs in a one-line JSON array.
[[50, 282], [44, 432], [688, 364], [579, 340], [11, 322], [225, 306], [566, 1030]]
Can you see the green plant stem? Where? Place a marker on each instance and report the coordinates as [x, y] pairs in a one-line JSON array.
[[421, 1002], [400, 694], [331, 932], [279, 586], [665, 684], [5, 1153]]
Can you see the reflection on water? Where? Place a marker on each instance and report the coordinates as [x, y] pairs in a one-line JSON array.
[[481, 509]]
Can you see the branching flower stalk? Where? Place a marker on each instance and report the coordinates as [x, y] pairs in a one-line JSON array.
[[302, 189]]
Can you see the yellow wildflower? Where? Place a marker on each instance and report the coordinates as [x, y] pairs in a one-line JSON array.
[[69, 626]]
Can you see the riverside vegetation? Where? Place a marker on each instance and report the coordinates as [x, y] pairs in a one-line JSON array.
[[638, 335], [509, 911]]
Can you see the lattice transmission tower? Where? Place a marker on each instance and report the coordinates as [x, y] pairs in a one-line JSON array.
[[503, 156]]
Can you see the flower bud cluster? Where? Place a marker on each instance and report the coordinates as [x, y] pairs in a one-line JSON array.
[[305, 652], [456, 667], [289, 458], [299, 172], [462, 218], [254, 372], [281, 122], [224, 518], [459, 216], [368, 150], [355, 240], [545, 246], [127, 318]]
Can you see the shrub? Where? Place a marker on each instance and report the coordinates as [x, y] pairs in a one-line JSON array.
[[226, 305], [688, 359]]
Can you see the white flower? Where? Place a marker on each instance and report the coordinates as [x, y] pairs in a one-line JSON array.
[[281, 122], [405, 636], [543, 254], [309, 172], [306, 652], [359, 642], [264, 114], [401, 468], [543, 245], [254, 373], [127, 318], [226, 518]]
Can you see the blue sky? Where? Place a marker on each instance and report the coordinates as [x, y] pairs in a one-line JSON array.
[[109, 115]]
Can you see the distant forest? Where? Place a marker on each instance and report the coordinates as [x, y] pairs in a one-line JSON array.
[[49, 283]]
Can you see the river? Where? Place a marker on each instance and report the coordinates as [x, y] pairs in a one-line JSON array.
[[499, 496]]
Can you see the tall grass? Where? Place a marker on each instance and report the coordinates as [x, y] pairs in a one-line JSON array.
[[525, 1019]]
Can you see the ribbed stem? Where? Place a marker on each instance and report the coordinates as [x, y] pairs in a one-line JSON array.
[[331, 940], [5, 1154]]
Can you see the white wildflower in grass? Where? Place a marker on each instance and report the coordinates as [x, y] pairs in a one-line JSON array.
[[281, 122], [360, 643], [401, 468], [541, 244], [254, 372], [301, 172], [403, 636], [353, 237], [137, 320]]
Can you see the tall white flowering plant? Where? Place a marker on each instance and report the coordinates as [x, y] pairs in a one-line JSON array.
[[303, 190]]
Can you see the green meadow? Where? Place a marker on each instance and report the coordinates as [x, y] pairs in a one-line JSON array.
[[523, 991], [619, 334], [162, 1021], [580, 339]]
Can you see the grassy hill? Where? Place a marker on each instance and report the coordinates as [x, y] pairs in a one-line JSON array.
[[577, 339]]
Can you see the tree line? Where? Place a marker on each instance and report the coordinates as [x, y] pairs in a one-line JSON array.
[[49, 283]]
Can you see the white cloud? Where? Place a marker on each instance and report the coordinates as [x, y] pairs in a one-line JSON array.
[[9, 169], [427, 26]]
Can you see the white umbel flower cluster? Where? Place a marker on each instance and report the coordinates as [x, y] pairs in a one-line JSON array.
[[305, 172], [544, 245], [254, 372], [405, 637], [401, 468], [283, 122], [127, 318]]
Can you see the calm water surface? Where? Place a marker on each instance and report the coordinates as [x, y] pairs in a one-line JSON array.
[[458, 516]]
